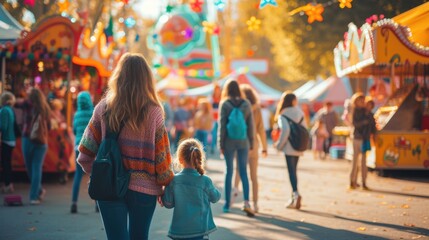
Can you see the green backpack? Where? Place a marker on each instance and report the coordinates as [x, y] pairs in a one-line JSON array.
[[109, 178]]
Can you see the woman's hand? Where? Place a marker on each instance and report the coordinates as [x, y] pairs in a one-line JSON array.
[[159, 198], [264, 153]]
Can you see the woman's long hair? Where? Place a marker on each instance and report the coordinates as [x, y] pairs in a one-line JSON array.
[[231, 89], [286, 101], [40, 105], [249, 93], [131, 90]]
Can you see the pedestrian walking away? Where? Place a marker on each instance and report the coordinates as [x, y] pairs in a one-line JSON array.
[[235, 137], [132, 109], [190, 194], [81, 119], [259, 139], [8, 139], [35, 140], [288, 107]]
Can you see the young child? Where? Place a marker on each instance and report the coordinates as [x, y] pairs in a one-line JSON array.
[[190, 194], [319, 134]]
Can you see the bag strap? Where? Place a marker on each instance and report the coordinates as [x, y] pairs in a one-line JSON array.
[[236, 106], [300, 121]]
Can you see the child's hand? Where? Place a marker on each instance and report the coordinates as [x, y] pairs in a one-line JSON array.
[[159, 198]]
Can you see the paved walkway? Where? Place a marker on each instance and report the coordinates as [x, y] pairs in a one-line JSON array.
[[394, 209]]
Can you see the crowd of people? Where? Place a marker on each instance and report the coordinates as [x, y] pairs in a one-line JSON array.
[[150, 132]]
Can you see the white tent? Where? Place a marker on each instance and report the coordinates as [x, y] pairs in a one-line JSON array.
[[10, 29]]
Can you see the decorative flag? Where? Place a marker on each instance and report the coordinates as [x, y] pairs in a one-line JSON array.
[[264, 3], [108, 31]]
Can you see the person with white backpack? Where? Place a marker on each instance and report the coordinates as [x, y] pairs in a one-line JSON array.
[[235, 132]]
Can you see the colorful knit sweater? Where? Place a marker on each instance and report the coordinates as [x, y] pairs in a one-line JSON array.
[[146, 152]]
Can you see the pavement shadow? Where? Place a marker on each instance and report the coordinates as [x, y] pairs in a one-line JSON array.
[[313, 231], [225, 233], [399, 193], [412, 230]]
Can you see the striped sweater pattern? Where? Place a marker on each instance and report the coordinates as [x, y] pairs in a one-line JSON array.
[[146, 152]]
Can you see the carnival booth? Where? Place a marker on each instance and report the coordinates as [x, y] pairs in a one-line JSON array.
[[332, 89], [61, 57], [394, 52]]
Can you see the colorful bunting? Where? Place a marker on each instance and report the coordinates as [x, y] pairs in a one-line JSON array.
[[264, 3]]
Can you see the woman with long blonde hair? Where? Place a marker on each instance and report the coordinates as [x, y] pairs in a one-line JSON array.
[[132, 109]]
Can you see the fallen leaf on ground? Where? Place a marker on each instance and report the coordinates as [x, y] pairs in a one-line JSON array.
[[405, 214], [417, 237], [410, 199], [361, 229], [405, 206], [409, 225], [375, 229], [383, 203], [392, 206], [32, 229], [380, 196]]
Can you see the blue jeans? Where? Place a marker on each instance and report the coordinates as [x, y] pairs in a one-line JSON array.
[[202, 136], [34, 155], [292, 163], [242, 156], [214, 136], [76, 181], [128, 218]]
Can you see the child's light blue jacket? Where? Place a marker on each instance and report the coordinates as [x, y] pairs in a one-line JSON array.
[[190, 194]]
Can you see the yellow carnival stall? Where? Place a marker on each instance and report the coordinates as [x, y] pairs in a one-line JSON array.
[[394, 55]]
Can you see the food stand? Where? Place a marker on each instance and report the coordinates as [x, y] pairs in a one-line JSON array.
[[61, 57], [394, 52]]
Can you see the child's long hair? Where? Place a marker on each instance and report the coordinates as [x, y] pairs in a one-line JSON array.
[[191, 151]]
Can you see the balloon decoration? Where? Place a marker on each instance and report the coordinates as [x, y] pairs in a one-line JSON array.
[[196, 5], [253, 24], [264, 3], [130, 22], [220, 5], [345, 3], [314, 12], [177, 32], [211, 28]]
